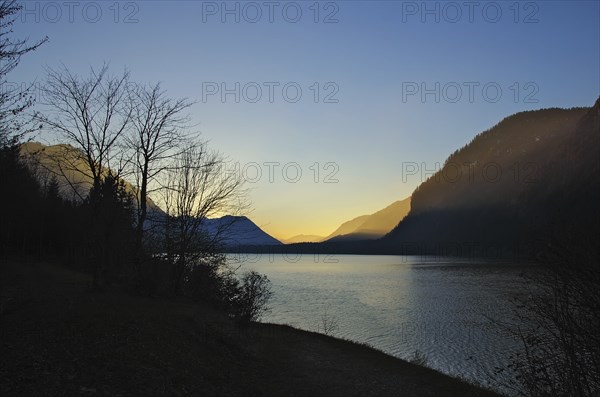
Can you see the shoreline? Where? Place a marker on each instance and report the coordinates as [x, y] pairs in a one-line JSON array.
[[60, 338]]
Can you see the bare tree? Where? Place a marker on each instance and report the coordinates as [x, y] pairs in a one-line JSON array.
[[158, 131], [91, 115], [196, 188], [13, 101], [558, 323]]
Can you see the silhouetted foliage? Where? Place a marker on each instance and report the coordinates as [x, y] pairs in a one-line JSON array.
[[195, 188], [111, 236], [13, 101], [36, 221], [158, 133], [52, 235], [91, 114], [253, 296], [20, 198], [212, 281], [558, 324], [20, 203], [328, 323], [101, 230]]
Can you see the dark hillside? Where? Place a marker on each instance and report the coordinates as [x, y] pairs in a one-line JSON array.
[[533, 171]]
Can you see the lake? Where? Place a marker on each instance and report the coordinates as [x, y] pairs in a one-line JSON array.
[[445, 308]]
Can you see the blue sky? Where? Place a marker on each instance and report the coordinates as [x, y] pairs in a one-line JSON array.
[[368, 59]]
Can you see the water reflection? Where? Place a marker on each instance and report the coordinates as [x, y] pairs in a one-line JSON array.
[[445, 308]]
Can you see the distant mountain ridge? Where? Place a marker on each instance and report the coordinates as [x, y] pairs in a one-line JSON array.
[[46, 162], [545, 190], [303, 238], [367, 227], [372, 226], [233, 230], [348, 227], [238, 231]]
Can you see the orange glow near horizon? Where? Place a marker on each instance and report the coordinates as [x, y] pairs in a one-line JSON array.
[[320, 219]]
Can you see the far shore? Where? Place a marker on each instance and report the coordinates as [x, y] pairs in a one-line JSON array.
[[369, 247]]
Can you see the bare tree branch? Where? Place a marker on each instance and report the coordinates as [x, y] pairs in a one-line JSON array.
[[158, 132], [196, 188], [91, 114], [13, 100]]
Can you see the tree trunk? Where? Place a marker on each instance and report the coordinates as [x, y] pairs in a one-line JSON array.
[[139, 235]]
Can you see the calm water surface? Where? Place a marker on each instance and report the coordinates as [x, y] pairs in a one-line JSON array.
[[445, 308]]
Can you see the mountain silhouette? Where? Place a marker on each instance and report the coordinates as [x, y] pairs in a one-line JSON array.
[[75, 182], [513, 184], [235, 231], [372, 226], [72, 173], [532, 179], [303, 238], [367, 227]]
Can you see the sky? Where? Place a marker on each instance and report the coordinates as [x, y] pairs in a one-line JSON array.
[[325, 107]]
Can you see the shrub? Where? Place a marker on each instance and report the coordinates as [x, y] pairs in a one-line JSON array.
[[329, 323], [558, 324], [253, 295]]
